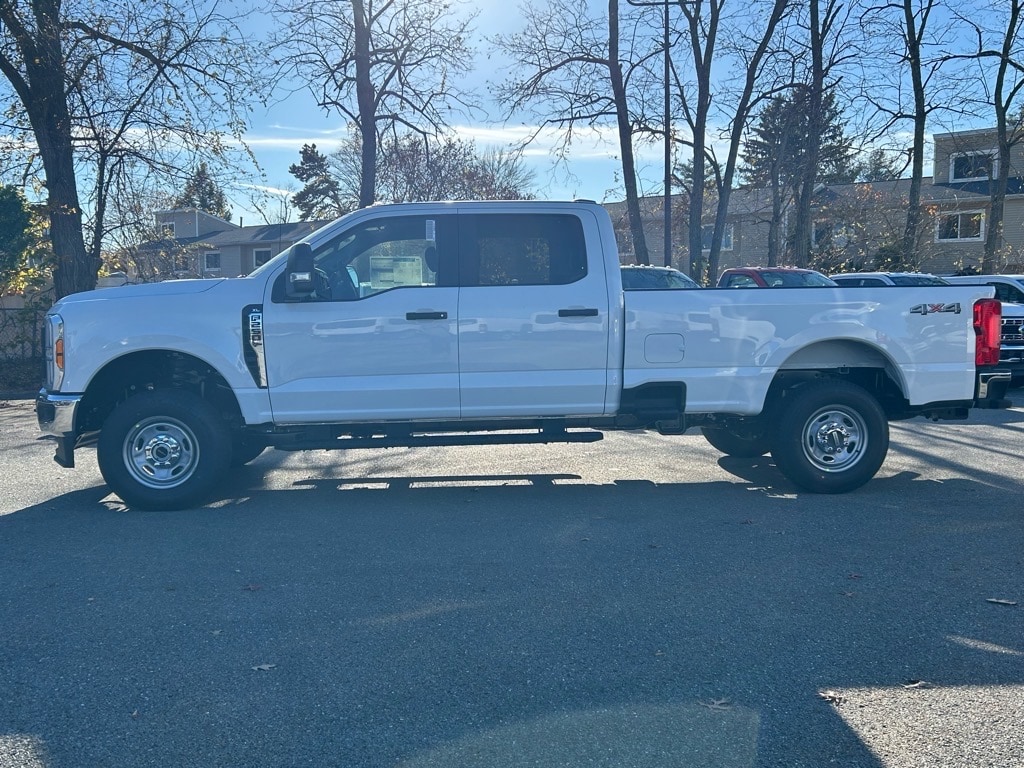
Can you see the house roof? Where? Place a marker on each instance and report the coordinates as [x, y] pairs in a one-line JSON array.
[[269, 234], [264, 233]]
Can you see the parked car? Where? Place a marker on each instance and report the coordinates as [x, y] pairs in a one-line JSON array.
[[906, 279], [772, 277], [1010, 291], [639, 277], [1009, 288]]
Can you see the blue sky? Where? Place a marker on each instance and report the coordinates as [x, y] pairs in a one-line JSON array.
[[591, 170]]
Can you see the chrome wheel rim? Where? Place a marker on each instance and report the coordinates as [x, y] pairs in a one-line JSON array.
[[834, 438], [161, 452]]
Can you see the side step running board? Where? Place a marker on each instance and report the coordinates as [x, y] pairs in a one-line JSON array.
[[427, 440]]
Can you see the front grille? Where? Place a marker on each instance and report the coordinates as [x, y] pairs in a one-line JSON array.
[[1012, 330]]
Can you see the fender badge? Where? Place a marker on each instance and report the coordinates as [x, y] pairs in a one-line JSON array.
[[930, 309]]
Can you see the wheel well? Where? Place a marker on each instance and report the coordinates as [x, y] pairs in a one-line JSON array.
[[150, 370], [851, 360], [875, 380]]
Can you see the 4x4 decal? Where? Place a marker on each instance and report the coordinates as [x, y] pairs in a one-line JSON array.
[[930, 309]]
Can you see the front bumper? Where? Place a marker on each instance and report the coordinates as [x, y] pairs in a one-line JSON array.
[[1011, 358], [56, 415]]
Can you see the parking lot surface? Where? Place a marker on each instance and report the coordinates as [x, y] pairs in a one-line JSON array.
[[641, 601]]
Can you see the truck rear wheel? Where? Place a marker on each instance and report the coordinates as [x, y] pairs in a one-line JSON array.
[[164, 449], [743, 445], [830, 437]]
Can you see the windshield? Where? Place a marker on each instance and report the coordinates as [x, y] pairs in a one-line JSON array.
[[908, 280], [796, 279], [650, 279]]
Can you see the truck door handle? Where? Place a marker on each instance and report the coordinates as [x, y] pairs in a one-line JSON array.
[[426, 315], [577, 313]]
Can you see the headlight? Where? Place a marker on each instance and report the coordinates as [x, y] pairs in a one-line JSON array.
[[54, 330]]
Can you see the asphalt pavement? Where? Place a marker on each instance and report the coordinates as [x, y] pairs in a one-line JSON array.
[[641, 601]]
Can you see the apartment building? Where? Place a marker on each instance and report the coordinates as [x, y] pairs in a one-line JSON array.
[[856, 226]]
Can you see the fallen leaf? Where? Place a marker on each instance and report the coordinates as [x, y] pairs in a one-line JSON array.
[[135, 714], [263, 667], [853, 576], [999, 601], [253, 587]]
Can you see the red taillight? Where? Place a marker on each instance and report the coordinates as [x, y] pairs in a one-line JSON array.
[[988, 317]]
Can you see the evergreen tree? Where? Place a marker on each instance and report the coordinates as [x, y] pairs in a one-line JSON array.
[[320, 198], [880, 166], [15, 233], [203, 193], [776, 149]]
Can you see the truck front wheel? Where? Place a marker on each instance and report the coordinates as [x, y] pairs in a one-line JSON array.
[[164, 449], [830, 437]]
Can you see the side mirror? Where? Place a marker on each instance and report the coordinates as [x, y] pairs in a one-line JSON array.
[[298, 278]]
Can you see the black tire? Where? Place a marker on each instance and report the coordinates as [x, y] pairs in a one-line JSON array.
[[164, 449], [743, 445], [830, 437]]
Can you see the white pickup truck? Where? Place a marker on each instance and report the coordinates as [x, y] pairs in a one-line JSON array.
[[435, 324]]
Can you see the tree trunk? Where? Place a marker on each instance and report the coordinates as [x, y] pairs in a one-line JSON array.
[[636, 224], [775, 223], [913, 42], [702, 59], [809, 176], [44, 97], [367, 107], [1002, 102], [739, 124], [994, 230]]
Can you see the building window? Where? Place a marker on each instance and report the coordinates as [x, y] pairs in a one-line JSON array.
[[827, 234], [260, 256], [972, 166], [968, 225], [167, 229], [707, 232], [182, 263], [211, 261]]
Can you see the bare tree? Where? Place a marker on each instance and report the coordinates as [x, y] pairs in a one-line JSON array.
[[384, 65], [910, 34], [749, 43], [106, 88], [572, 70], [1000, 56], [828, 48], [409, 168], [703, 18], [449, 169]]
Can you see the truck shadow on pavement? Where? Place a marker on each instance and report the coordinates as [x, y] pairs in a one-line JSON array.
[[515, 619]]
